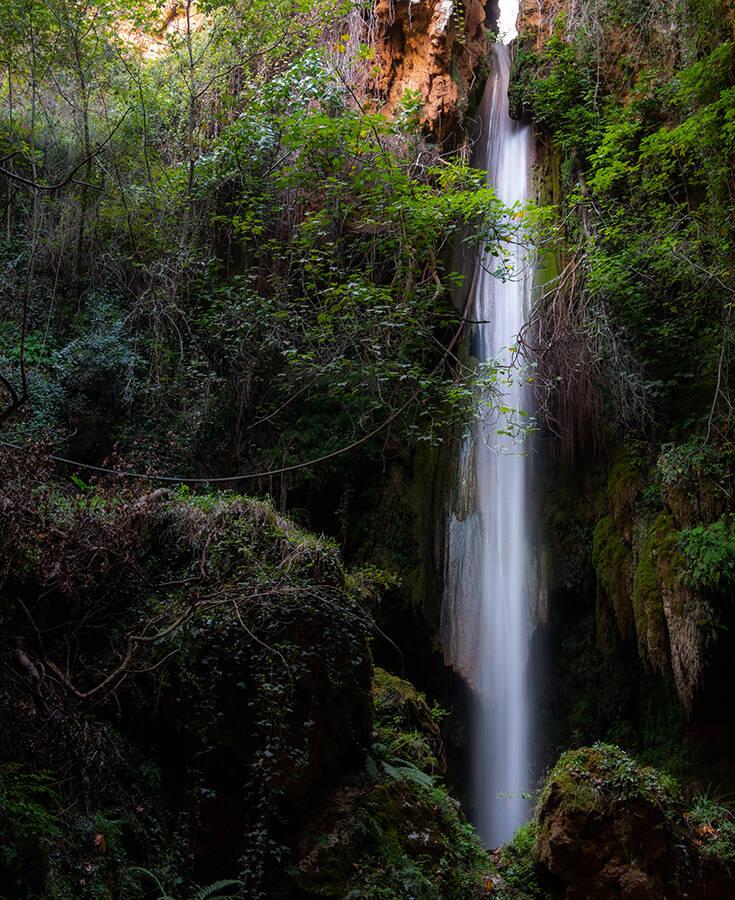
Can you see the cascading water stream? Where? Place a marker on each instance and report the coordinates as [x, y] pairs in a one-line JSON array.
[[486, 617]]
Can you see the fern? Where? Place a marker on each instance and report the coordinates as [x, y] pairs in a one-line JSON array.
[[395, 767], [710, 554], [215, 890], [371, 766], [415, 775], [401, 769], [163, 895]]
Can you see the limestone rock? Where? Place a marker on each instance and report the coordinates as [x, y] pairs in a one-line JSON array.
[[433, 48], [610, 827]]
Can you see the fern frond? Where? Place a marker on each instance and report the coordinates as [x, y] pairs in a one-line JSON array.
[[371, 767], [215, 890], [403, 769], [156, 879], [411, 773]]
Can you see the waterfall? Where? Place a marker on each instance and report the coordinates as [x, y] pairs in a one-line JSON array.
[[486, 615]]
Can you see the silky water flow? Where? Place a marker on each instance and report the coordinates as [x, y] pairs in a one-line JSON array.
[[486, 616]]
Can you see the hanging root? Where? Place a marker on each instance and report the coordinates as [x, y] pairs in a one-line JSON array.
[[582, 365]]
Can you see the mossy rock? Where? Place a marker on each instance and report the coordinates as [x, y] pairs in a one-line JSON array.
[[394, 832], [606, 826], [518, 868], [689, 615], [712, 825], [625, 481], [613, 562], [239, 675], [648, 606], [695, 480], [394, 839], [611, 827], [405, 724]]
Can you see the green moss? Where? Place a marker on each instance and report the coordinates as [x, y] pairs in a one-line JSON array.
[[602, 776], [670, 564], [646, 595], [404, 725], [625, 467], [392, 693], [625, 480], [650, 621], [612, 560], [638, 815], [630, 585], [401, 834]]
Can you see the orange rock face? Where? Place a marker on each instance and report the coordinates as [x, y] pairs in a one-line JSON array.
[[433, 48]]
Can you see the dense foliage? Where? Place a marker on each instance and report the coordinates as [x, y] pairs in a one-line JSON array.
[[641, 115], [635, 109], [397, 832], [185, 669], [216, 256]]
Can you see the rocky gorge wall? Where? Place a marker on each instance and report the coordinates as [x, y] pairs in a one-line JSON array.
[[433, 52], [636, 514]]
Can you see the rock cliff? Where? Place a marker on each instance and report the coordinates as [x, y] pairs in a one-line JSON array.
[[432, 51]]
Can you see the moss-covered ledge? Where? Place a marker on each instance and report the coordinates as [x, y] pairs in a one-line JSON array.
[[395, 830], [189, 674]]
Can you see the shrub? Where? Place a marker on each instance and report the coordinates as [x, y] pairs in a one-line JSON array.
[[30, 831], [709, 551]]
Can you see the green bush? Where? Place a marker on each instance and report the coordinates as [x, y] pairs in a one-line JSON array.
[[709, 551], [517, 865], [713, 825], [400, 834], [646, 148], [30, 830]]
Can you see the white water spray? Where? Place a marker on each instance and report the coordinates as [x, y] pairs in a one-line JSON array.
[[486, 616]]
